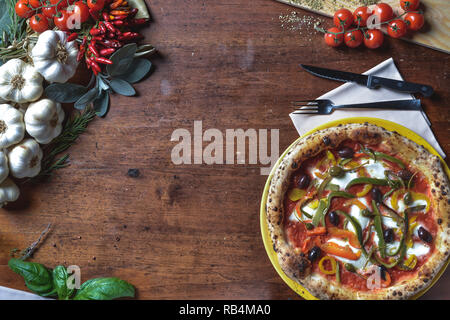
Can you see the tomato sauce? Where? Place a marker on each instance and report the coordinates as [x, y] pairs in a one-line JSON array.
[[297, 232]]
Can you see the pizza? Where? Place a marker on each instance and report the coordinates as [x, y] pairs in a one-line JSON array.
[[359, 212]]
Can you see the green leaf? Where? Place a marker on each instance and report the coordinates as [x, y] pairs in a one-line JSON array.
[[121, 59], [37, 277], [65, 92], [87, 98], [104, 289], [138, 69], [144, 50], [101, 104], [122, 87], [60, 283]]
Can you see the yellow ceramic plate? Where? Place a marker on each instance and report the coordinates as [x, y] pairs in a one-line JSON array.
[[391, 126]]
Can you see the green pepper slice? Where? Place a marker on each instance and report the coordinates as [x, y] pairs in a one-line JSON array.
[[319, 216], [384, 156], [324, 183], [401, 248], [366, 180], [357, 228], [377, 221]]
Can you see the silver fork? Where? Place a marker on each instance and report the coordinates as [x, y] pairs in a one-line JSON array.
[[325, 106]]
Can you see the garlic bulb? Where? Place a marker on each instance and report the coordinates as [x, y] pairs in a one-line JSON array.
[[43, 120], [12, 127], [4, 169], [20, 82], [25, 159], [9, 192]]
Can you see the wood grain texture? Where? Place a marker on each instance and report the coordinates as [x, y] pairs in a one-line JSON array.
[[192, 231], [434, 34]]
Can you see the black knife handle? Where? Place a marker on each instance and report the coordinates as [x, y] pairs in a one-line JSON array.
[[374, 81]]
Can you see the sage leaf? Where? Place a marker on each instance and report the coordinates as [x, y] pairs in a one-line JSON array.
[[122, 87], [60, 283], [145, 50], [101, 104], [65, 92], [37, 277], [138, 70], [87, 98], [121, 59], [104, 289]]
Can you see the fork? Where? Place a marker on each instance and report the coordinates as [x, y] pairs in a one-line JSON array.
[[325, 106]]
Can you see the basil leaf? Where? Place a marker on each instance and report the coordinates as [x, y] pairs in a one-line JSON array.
[[60, 283], [104, 289], [87, 98], [65, 92], [138, 70], [101, 104], [121, 59], [122, 87], [37, 277]]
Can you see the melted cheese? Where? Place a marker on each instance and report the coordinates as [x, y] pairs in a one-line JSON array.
[[375, 169], [344, 180]]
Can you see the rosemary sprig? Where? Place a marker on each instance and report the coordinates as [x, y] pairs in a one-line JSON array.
[[70, 133]]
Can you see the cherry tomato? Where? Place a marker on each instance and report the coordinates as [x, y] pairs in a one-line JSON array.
[[81, 9], [353, 38], [384, 11], [361, 15], [409, 5], [334, 40], [61, 20], [24, 9], [39, 23], [96, 5], [50, 11], [414, 21], [343, 18], [373, 38], [397, 28]]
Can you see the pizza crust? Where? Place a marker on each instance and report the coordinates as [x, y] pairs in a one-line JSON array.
[[298, 268]]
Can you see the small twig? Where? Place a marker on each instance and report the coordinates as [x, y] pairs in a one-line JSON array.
[[33, 247]]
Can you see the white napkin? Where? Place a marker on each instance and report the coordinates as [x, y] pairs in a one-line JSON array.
[[350, 93], [12, 294]]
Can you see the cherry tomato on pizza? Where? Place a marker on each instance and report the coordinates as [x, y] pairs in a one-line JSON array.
[[39, 23], [353, 38], [334, 37], [409, 5], [24, 8], [361, 15], [384, 11], [397, 28], [373, 38], [343, 18], [96, 5], [414, 21]]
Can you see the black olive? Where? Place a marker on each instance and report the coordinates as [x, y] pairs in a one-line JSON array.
[[425, 235], [326, 140], [336, 171], [383, 271], [366, 213], [350, 268], [388, 235], [376, 195], [314, 253], [346, 152], [404, 174], [334, 218], [303, 181]]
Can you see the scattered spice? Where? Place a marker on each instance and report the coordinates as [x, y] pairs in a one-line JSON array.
[[133, 173], [301, 23]]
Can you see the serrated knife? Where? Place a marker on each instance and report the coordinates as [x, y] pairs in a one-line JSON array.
[[369, 81]]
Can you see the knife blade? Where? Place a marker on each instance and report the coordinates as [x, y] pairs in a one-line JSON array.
[[369, 81]]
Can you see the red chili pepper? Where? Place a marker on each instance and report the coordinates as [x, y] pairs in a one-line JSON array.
[[82, 49], [103, 60], [123, 17], [94, 14], [97, 38], [94, 31], [115, 4], [102, 27], [93, 49], [105, 16], [119, 12], [72, 37], [118, 23], [111, 35], [139, 22], [110, 27], [107, 52], [129, 36], [133, 12]]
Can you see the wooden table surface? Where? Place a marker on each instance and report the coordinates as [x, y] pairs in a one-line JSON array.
[[192, 231]]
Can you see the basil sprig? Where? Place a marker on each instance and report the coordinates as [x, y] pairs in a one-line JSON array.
[[53, 283]]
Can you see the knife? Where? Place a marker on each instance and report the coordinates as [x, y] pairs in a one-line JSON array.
[[369, 81]]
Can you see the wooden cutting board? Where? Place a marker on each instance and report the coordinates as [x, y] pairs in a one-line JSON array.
[[435, 34]]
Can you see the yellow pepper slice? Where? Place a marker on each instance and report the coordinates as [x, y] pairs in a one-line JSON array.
[[356, 202], [411, 262], [296, 194], [330, 156], [421, 196], [394, 199], [333, 265], [365, 190], [320, 175], [314, 204], [412, 225], [352, 164]]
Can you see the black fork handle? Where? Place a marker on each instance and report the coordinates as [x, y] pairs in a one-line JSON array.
[[411, 104]]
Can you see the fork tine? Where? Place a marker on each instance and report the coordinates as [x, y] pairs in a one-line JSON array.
[[299, 104], [308, 108], [303, 101], [299, 112]]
